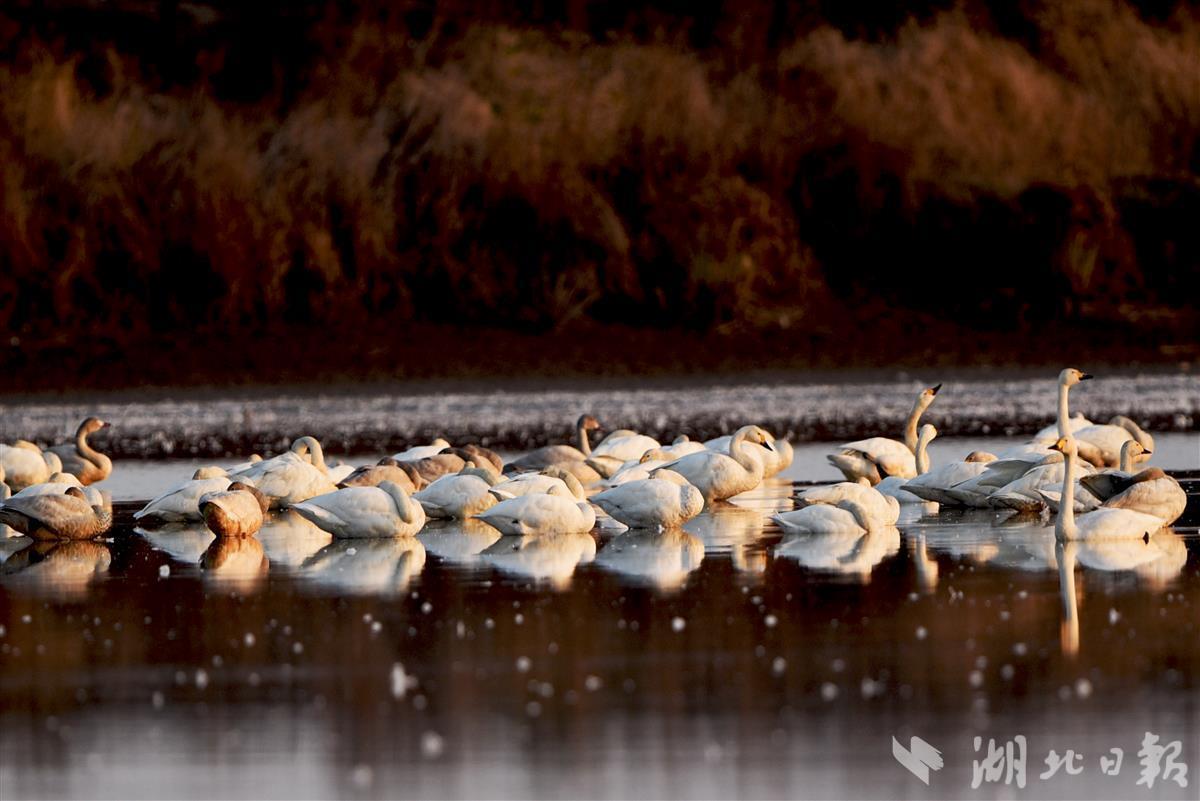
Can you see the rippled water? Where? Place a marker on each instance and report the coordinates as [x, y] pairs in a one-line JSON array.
[[719, 662]]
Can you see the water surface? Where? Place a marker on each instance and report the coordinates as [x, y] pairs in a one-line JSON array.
[[723, 661]]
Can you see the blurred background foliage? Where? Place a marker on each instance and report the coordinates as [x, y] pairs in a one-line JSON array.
[[748, 166]]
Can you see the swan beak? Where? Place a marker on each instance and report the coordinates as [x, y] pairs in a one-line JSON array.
[[769, 445], [1147, 452], [104, 424], [934, 390], [1086, 376]]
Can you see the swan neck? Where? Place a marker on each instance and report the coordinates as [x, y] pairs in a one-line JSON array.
[[910, 428], [316, 454], [922, 458], [1064, 415], [401, 501], [584, 444], [1127, 457], [738, 450], [1065, 526], [85, 450]]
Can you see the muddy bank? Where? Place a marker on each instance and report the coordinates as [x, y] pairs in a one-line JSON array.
[[376, 418]]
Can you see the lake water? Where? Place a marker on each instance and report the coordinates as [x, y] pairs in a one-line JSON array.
[[720, 662]]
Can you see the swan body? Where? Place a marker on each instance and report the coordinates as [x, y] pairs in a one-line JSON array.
[[458, 496], [551, 481], [561, 455], [1151, 492], [1109, 439], [651, 503], [1102, 523], [1023, 494], [847, 516], [355, 512], [878, 457], [24, 464], [1050, 434], [80, 458], [338, 473], [290, 478], [66, 516], [719, 476], [182, 503], [534, 514], [422, 451], [388, 469], [883, 509], [934, 485], [682, 446], [236, 511], [625, 448]]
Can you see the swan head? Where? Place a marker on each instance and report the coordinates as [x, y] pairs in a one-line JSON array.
[[682, 438], [63, 478], [654, 454], [1071, 376], [264, 502], [758, 436], [980, 457], [861, 515], [1066, 446], [588, 423], [91, 425], [76, 492], [928, 394], [480, 472]]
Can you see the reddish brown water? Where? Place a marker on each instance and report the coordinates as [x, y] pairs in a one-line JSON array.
[[721, 663]]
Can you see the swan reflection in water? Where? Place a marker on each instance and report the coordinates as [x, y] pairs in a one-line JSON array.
[[738, 530], [1155, 560], [235, 563], [546, 557], [458, 541], [289, 540], [63, 570], [382, 566], [184, 542], [659, 559], [846, 553]]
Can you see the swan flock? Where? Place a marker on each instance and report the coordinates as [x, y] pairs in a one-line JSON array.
[[1088, 475]]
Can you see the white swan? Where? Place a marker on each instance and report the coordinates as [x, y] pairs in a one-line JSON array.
[[551, 481], [66, 516], [719, 476], [682, 446], [1102, 522], [662, 559], [1109, 439], [290, 478], [80, 458], [848, 516], [461, 495], [236, 511], [1025, 493], [540, 514], [383, 511], [388, 469], [660, 502], [562, 455], [625, 448], [895, 486], [25, 464], [883, 509], [775, 459], [422, 451], [933, 485], [878, 457], [182, 503], [1150, 491], [1050, 434]]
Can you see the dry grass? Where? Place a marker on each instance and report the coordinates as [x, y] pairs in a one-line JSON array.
[[509, 176]]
